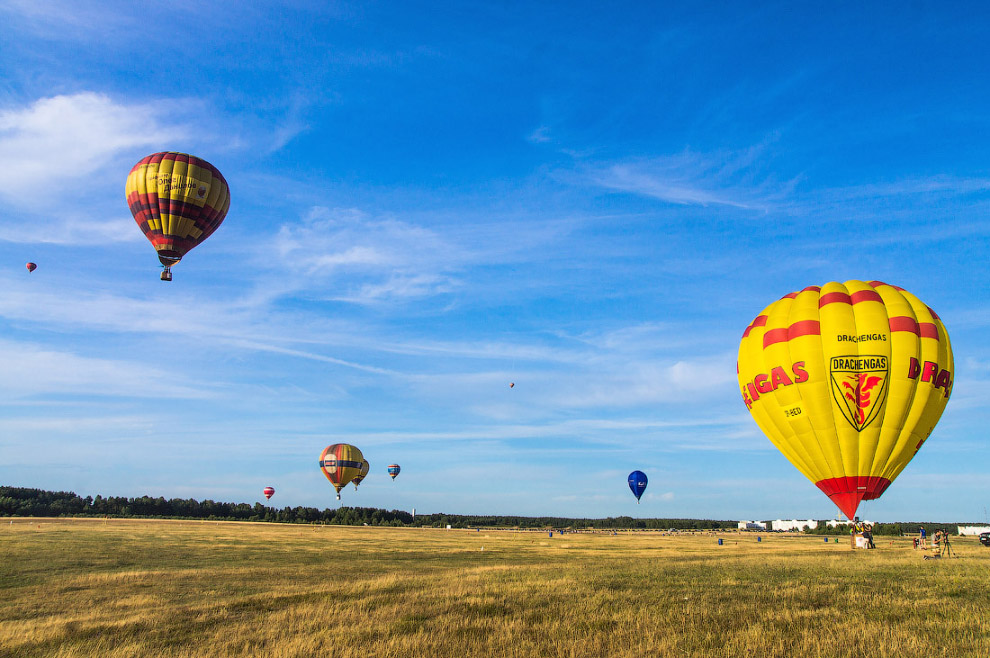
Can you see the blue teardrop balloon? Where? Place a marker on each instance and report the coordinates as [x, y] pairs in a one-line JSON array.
[[637, 483]]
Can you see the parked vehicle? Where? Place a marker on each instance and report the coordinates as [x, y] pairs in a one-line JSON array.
[[985, 538]]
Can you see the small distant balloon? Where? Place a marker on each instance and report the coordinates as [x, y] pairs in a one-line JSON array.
[[393, 470], [31, 267], [269, 492], [637, 483], [512, 384]]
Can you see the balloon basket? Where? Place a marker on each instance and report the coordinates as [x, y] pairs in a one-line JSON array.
[[166, 274]]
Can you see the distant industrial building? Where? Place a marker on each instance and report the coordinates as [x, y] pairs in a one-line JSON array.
[[752, 525], [975, 530], [788, 526], [836, 523]]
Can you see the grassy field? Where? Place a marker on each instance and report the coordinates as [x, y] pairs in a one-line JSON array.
[[188, 588]]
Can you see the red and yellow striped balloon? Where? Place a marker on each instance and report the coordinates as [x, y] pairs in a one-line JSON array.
[[848, 381], [178, 200]]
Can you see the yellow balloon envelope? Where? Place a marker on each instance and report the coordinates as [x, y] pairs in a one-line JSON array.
[[178, 200], [848, 381], [341, 463], [359, 478]]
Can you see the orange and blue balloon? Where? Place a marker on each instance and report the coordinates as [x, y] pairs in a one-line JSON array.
[[393, 470], [340, 464]]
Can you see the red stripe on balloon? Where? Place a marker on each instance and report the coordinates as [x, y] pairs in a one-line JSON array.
[[796, 330], [834, 298], [774, 336], [877, 284], [904, 323], [760, 321], [866, 296], [804, 328]]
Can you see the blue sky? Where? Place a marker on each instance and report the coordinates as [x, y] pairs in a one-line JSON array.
[[431, 201]]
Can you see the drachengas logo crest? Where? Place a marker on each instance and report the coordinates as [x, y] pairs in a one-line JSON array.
[[859, 386]]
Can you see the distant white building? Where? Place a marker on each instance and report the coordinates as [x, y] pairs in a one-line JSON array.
[[752, 525], [844, 522], [788, 526], [973, 529]]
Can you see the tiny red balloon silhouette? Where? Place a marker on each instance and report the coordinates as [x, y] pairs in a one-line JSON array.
[[31, 267], [269, 492]]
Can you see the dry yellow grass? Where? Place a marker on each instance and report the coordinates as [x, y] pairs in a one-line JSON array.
[[187, 588]]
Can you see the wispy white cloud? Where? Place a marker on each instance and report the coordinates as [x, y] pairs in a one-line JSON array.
[[31, 369], [375, 259], [292, 124], [61, 19], [540, 135], [729, 178], [743, 179], [57, 144], [72, 229], [632, 381], [614, 432], [939, 185], [74, 424]]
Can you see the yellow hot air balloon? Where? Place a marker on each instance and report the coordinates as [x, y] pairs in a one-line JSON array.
[[178, 200], [341, 463], [359, 478], [848, 381]]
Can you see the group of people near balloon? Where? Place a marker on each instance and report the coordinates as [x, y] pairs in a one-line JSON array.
[[847, 380]]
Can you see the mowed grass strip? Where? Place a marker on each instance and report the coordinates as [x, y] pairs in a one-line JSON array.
[[185, 588]]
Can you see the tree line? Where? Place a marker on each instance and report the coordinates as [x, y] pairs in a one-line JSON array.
[[20, 501]]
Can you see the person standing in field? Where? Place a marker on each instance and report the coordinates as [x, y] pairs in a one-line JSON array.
[[868, 535], [924, 546]]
